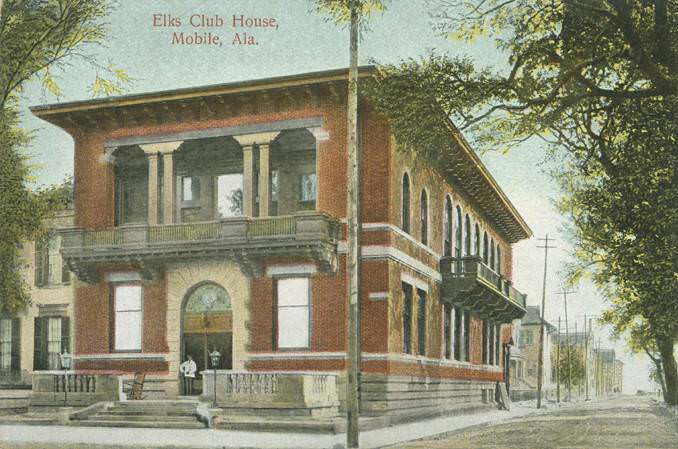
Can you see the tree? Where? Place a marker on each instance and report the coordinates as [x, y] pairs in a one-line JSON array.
[[37, 40], [596, 81], [571, 365]]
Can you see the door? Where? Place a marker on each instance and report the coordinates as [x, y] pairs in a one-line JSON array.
[[207, 326]]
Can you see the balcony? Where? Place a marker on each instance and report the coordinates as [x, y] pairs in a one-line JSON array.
[[245, 240], [468, 282]]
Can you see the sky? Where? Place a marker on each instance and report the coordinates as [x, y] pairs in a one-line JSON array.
[[301, 42]]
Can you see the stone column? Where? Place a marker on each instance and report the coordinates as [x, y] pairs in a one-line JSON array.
[[152, 189], [264, 180], [152, 150], [263, 141]]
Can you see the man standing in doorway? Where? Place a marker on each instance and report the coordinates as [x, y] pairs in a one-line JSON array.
[[188, 369]]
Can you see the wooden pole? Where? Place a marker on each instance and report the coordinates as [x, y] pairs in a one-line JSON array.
[[576, 352], [569, 352], [540, 366], [558, 364], [587, 332], [353, 257]]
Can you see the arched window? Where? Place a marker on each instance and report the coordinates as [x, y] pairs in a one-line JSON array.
[[467, 236], [423, 211], [492, 254], [498, 269], [406, 204], [458, 234], [486, 249], [476, 240], [447, 228]]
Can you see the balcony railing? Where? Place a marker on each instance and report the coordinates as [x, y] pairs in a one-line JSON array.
[[307, 233], [466, 273]]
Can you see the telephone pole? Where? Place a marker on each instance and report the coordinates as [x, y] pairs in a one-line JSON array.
[[564, 292], [540, 366], [576, 352], [558, 364], [354, 227], [587, 333]]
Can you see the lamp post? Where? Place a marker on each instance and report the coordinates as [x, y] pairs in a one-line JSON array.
[[66, 359], [215, 356]]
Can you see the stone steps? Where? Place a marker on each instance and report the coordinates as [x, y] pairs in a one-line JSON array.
[[172, 414], [145, 424]]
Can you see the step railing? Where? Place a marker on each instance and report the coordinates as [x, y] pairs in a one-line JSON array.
[[75, 383]]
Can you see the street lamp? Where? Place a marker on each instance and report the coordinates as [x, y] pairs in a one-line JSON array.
[[215, 356], [66, 360]]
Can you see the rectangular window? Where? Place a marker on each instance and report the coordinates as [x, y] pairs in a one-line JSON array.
[[308, 187], [467, 335], [421, 322], [407, 318], [525, 338], [497, 344], [447, 330], [5, 344], [229, 195], [128, 317], [293, 313], [190, 189], [458, 316], [53, 343], [49, 266], [486, 342], [490, 341]]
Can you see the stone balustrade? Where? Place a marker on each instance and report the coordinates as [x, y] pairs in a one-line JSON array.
[[286, 390], [59, 388]]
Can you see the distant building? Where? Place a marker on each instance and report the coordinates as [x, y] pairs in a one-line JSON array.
[[606, 370], [582, 344], [34, 339], [526, 358], [618, 382]]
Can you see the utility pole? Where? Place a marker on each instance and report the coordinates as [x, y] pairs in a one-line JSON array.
[[564, 292], [587, 333], [540, 366], [558, 364], [576, 352], [354, 228]]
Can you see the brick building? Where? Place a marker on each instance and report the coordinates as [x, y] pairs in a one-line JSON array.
[[214, 218]]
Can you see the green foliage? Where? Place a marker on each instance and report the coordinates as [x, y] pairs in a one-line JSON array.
[[576, 367], [597, 81], [339, 11], [38, 39]]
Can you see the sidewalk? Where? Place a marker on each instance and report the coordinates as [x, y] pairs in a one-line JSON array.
[[60, 436]]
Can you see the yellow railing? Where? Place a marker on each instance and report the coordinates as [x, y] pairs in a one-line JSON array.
[[184, 232], [274, 226], [104, 237]]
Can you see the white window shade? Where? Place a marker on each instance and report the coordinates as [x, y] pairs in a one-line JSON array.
[[128, 318], [293, 313]]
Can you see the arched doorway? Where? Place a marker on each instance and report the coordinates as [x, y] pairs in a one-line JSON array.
[[207, 324]]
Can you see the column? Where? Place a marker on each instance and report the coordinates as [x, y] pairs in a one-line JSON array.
[[166, 150], [152, 189], [264, 180], [263, 141]]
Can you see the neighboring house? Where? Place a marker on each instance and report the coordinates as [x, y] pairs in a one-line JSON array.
[[618, 376], [213, 218], [528, 362], [582, 344], [33, 340], [608, 372]]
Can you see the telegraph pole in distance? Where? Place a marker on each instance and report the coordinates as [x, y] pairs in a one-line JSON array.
[[558, 363], [540, 366], [564, 292], [587, 333], [576, 349]]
